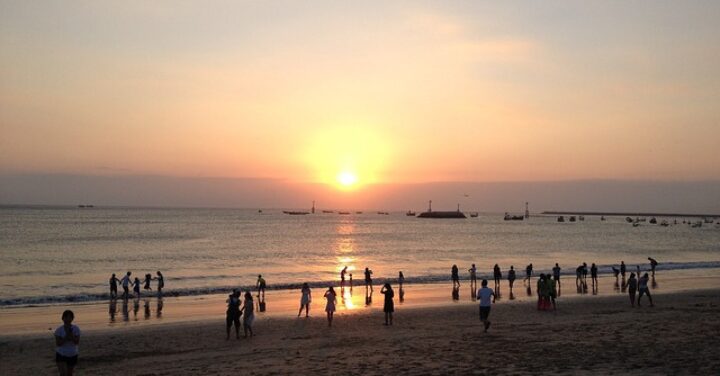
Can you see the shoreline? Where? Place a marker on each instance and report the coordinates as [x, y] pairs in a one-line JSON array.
[[603, 335]]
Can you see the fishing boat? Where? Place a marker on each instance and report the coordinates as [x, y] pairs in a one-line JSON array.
[[664, 223], [343, 213], [410, 213], [474, 214], [628, 220], [383, 213], [582, 217], [328, 211], [509, 217], [572, 218], [561, 219], [291, 212], [653, 220]]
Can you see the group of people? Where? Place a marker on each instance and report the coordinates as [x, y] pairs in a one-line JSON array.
[[126, 282], [236, 309]]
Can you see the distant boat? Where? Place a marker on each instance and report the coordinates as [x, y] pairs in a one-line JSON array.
[[561, 219], [572, 218], [343, 213], [602, 217], [358, 212], [664, 223], [509, 217], [85, 206], [410, 213], [653, 220], [582, 218], [328, 211], [696, 224], [628, 220], [709, 220], [474, 214], [383, 213], [441, 214], [290, 212], [259, 210]]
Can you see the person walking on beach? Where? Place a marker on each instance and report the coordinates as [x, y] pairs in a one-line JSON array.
[[473, 276], [622, 269], [643, 289], [551, 291], [401, 279], [389, 306], [248, 311], [330, 306], [136, 287], [342, 277], [113, 286], [497, 274], [556, 273], [578, 275], [67, 339], [653, 265], [148, 279], [455, 276], [484, 294], [631, 286], [161, 282], [232, 315], [594, 273], [368, 279], [528, 273], [126, 285], [260, 285], [511, 276], [305, 299]]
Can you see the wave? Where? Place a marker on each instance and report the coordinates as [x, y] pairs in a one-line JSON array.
[[435, 278]]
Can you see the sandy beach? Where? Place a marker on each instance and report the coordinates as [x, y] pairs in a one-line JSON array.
[[593, 335]]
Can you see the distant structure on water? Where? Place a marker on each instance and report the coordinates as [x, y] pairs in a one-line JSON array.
[[441, 214]]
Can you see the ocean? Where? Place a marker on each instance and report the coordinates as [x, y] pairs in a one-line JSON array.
[[67, 254]]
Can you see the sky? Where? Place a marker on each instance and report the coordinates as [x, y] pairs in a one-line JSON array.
[[358, 97]]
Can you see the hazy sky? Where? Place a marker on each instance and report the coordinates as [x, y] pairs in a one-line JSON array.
[[392, 92]]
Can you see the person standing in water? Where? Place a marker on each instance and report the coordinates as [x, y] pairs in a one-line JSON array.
[[528, 273], [643, 289], [631, 286], [67, 339], [484, 295], [248, 311], [473, 275], [623, 269], [342, 277], [368, 279], [113, 286], [511, 276], [653, 265], [455, 276], [389, 306], [497, 274], [305, 299], [401, 279], [126, 285], [260, 285], [594, 274], [232, 315], [556, 274], [330, 306]]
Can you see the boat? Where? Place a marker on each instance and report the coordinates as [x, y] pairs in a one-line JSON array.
[[383, 213], [572, 218], [653, 220], [602, 217], [343, 213], [358, 212], [410, 213], [474, 214], [561, 219], [696, 224], [709, 220], [628, 220], [582, 217], [664, 223], [441, 214], [291, 212], [509, 217]]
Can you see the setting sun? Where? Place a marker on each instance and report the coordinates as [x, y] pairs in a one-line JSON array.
[[347, 179]]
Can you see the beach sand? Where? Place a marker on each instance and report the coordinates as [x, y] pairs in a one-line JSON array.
[[589, 335]]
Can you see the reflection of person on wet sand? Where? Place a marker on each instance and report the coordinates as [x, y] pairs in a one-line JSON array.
[[330, 306], [136, 307], [112, 309], [389, 306], [125, 310], [158, 310], [305, 300], [146, 306], [232, 315], [456, 292]]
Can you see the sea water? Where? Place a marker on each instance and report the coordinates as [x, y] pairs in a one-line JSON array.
[[67, 254]]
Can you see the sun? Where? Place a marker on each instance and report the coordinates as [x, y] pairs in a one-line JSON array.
[[347, 179]]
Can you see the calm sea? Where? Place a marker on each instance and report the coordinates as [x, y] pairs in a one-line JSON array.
[[67, 254]]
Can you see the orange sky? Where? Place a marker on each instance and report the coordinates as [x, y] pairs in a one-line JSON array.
[[400, 93]]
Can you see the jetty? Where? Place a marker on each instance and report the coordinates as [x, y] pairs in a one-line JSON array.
[[441, 214]]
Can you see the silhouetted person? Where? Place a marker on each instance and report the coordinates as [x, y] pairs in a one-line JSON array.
[[260, 285], [631, 286], [389, 306], [528, 273], [455, 276], [330, 306], [368, 279], [232, 315], [643, 289], [551, 291], [653, 265], [622, 268], [67, 339], [248, 311], [473, 275], [497, 275], [484, 294], [584, 272], [556, 273], [126, 285], [113, 286], [511, 278], [136, 287], [342, 277], [305, 299], [161, 282], [594, 273], [578, 275], [401, 279], [148, 279], [351, 283]]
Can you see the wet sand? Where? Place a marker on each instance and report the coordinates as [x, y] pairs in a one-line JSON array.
[[588, 335]]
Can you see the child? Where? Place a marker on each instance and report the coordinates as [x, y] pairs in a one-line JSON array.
[[330, 306], [136, 287]]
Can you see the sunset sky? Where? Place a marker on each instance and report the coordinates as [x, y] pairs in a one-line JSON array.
[[362, 93]]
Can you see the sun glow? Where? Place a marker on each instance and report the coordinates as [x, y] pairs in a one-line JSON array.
[[347, 179]]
